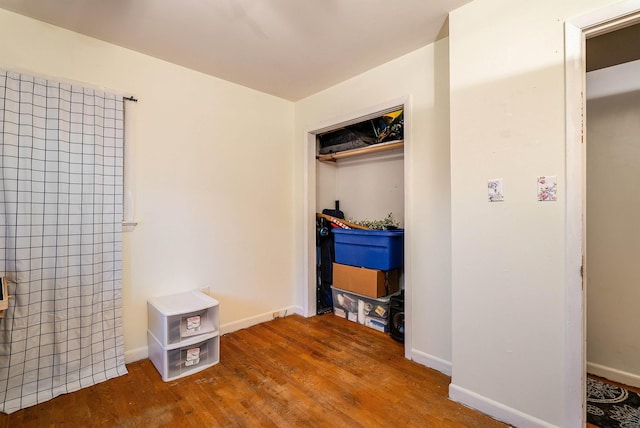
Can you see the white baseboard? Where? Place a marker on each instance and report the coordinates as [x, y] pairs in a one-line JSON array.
[[431, 361], [495, 409], [136, 354], [298, 310], [258, 319], [615, 375]]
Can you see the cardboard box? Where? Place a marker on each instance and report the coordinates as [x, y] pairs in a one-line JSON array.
[[367, 282]]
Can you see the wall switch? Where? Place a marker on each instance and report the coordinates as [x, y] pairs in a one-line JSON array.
[[547, 188], [496, 190]]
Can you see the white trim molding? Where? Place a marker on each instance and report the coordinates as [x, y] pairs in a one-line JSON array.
[[495, 409], [575, 337], [431, 361], [615, 375], [137, 354], [259, 319]]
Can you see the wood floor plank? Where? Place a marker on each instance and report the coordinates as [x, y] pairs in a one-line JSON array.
[[315, 375], [290, 372], [274, 384]]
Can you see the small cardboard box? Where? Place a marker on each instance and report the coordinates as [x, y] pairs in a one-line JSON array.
[[368, 282]]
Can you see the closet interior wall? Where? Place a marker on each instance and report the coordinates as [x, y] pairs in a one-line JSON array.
[[369, 187]]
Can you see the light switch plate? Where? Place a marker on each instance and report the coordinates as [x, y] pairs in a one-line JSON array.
[[547, 188], [496, 190]]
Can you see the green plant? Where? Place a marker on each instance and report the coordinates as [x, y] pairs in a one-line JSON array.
[[387, 223]]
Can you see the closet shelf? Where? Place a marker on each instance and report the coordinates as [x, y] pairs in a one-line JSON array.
[[333, 157]]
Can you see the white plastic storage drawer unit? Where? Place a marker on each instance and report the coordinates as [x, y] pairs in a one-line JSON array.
[[191, 356], [179, 316], [183, 334]]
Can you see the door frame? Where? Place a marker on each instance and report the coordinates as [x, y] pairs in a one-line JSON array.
[[577, 30]]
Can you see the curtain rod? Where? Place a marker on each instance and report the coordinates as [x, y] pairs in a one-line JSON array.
[[135, 100]]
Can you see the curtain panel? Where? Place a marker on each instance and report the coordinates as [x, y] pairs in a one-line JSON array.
[[61, 209]]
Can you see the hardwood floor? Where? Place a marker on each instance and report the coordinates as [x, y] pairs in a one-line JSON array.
[[312, 372]]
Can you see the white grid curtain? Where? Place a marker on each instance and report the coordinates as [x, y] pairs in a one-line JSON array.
[[60, 238]]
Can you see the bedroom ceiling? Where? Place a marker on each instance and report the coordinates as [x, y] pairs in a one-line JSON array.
[[287, 48]]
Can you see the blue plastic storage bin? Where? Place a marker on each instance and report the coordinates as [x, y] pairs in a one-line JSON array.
[[373, 249]]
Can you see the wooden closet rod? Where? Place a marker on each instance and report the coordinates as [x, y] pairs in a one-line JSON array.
[[332, 157]]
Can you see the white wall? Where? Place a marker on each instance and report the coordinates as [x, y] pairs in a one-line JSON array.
[[368, 187], [422, 76], [326, 185], [613, 232], [213, 187], [508, 258]]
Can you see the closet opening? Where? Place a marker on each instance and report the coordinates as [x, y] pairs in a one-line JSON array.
[[612, 171], [356, 212], [586, 176]]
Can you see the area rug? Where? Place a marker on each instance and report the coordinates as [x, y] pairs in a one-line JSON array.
[[610, 406]]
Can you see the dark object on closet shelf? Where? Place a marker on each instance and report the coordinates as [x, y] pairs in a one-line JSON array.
[[384, 128], [334, 213]]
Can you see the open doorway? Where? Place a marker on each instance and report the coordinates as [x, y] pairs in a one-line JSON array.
[[577, 31], [322, 180], [612, 177]]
